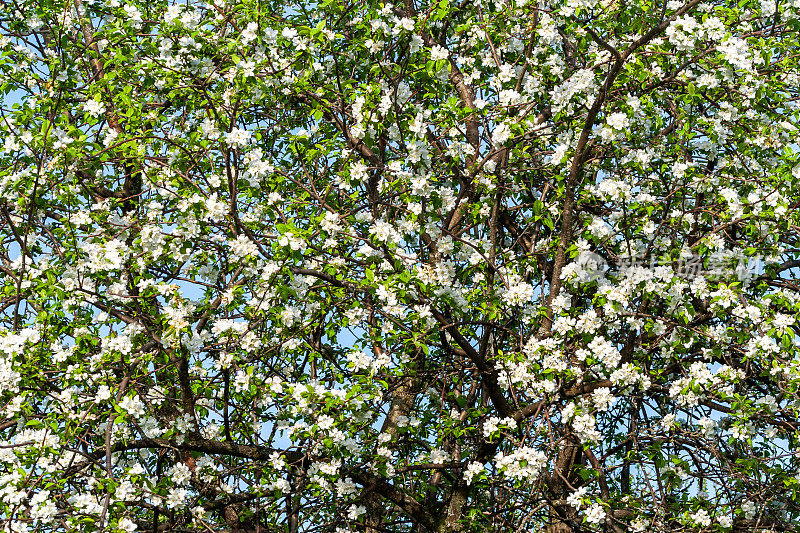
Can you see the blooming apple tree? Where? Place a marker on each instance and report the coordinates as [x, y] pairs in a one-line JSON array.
[[343, 265]]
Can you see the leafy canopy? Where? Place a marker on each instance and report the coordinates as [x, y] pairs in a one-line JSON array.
[[446, 266]]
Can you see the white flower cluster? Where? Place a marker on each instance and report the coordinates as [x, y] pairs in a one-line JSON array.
[[359, 359], [134, 15], [595, 514], [616, 126], [491, 426], [519, 292], [152, 240], [87, 503], [94, 107], [11, 345], [42, 507], [701, 518], [581, 82], [611, 189], [225, 325], [292, 241], [523, 464], [331, 223], [501, 134], [385, 232], [242, 246], [104, 256], [521, 374], [238, 137], [256, 167], [702, 378], [603, 399], [575, 499], [583, 423], [121, 343], [176, 498], [180, 474], [133, 405], [362, 361], [473, 469], [439, 52], [602, 350], [737, 53], [628, 375], [587, 267], [683, 32]]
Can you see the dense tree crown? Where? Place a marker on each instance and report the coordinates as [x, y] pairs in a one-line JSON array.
[[343, 266]]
